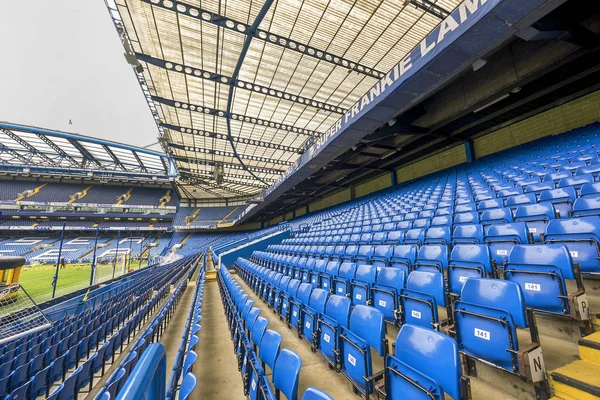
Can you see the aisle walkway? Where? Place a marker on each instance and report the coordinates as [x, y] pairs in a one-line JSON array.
[[216, 368], [171, 338]]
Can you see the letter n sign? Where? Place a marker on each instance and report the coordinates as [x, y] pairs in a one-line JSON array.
[[537, 368]]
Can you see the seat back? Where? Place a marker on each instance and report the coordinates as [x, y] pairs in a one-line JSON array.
[[258, 330], [432, 354], [368, 324], [269, 347], [582, 238], [338, 309], [432, 258], [472, 233], [287, 373]]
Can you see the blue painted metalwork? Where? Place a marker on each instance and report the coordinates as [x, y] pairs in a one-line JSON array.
[[58, 259], [228, 154], [92, 275], [148, 378], [65, 135]]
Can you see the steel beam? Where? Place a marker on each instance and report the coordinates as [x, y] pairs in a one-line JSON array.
[[29, 147], [234, 117], [226, 174], [87, 156], [238, 83], [195, 181], [114, 158], [57, 149], [271, 38], [227, 154], [430, 8], [228, 165], [14, 153], [223, 136]]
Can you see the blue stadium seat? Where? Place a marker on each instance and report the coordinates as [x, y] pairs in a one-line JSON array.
[[297, 303], [386, 291], [468, 234], [562, 199], [467, 261], [415, 236], [536, 217], [496, 216], [287, 374], [466, 218], [542, 272], [341, 283], [313, 393], [337, 314], [382, 256], [364, 255], [310, 314], [502, 238], [269, 348], [582, 238], [432, 258], [425, 366], [366, 330], [486, 319], [361, 285], [586, 206], [438, 235], [424, 293], [187, 386]]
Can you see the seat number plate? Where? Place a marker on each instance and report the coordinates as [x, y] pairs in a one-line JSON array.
[[480, 333], [574, 254], [502, 252], [463, 279], [340, 290], [536, 287], [382, 303], [352, 360], [532, 230], [295, 314], [307, 325], [415, 314], [253, 384], [359, 297], [326, 337]]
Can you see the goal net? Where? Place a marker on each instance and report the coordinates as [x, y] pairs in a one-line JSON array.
[[19, 315]]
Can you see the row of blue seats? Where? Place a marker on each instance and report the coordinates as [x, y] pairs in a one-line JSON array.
[[186, 354], [152, 333], [580, 235], [344, 335], [258, 347], [543, 272], [31, 367]]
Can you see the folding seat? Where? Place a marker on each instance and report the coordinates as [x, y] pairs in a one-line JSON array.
[[576, 181], [386, 291], [342, 282], [468, 261], [508, 192], [536, 217], [364, 279], [319, 269], [586, 206], [415, 236], [338, 253], [404, 257], [422, 223], [297, 303], [496, 216], [411, 216], [269, 348], [365, 238], [468, 234], [444, 220], [331, 270], [542, 271], [404, 225], [398, 218], [487, 204], [354, 238], [426, 365], [379, 238], [308, 270], [438, 235], [395, 237], [57, 368], [502, 238], [382, 255], [390, 226], [466, 218], [366, 330], [310, 314], [420, 299], [486, 319], [562, 199], [287, 374], [366, 229], [465, 208], [350, 253], [287, 294], [444, 211], [20, 375], [582, 238], [515, 201], [432, 258], [590, 188]]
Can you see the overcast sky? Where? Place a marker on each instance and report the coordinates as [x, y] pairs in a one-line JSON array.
[[62, 60]]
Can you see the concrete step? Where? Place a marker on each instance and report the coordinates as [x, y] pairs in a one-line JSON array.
[[577, 380], [589, 348]]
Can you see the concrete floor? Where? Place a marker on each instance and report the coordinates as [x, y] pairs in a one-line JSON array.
[[216, 367], [315, 370]]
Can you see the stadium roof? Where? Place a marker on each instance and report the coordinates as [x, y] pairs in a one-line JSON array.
[[249, 85], [46, 151]]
